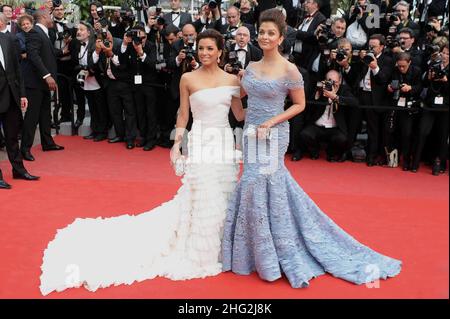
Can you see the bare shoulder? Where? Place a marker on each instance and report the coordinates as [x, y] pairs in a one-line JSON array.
[[231, 79], [290, 68]]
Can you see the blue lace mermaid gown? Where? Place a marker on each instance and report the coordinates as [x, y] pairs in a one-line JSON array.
[[272, 225]]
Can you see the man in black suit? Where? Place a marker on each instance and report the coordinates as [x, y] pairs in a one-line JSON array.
[[207, 19], [240, 55], [233, 23], [12, 98], [176, 17], [326, 121], [39, 84], [306, 48], [370, 81]]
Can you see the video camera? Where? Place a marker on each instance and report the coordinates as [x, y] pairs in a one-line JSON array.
[[234, 62]]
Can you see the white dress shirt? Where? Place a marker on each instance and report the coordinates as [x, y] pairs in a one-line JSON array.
[[366, 82], [2, 58], [327, 119], [242, 55], [90, 83]]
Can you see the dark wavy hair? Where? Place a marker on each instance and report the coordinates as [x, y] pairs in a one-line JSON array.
[[276, 17], [213, 35]]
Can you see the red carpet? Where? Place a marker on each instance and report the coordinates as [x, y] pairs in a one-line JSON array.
[[403, 215]]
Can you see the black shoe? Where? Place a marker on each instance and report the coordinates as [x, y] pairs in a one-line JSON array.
[[149, 146], [406, 165], [2, 143], [115, 140], [89, 137], [4, 185], [414, 169], [53, 147], [130, 145], [141, 143], [28, 156], [78, 124], [26, 176], [436, 167], [342, 158], [100, 137], [297, 156], [331, 159], [314, 155]]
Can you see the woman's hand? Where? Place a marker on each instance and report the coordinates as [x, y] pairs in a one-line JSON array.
[[263, 130], [175, 154]]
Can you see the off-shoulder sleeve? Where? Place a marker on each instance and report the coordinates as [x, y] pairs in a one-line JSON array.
[[236, 91], [294, 79]]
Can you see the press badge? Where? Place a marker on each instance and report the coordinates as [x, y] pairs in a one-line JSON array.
[[138, 79], [439, 100], [401, 102]]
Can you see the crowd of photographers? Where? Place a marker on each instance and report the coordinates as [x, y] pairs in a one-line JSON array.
[[380, 68]]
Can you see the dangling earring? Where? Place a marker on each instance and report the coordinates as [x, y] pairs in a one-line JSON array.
[[218, 60]]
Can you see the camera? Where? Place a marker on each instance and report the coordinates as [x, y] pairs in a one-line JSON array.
[[234, 62], [237, 4], [430, 28], [394, 17], [436, 68], [431, 50], [127, 16], [325, 35], [189, 50], [56, 3], [341, 54], [392, 42], [359, 9], [65, 34], [134, 34], [326, 85], [396, 86], [103, 35], [82, 74], [369, 57], [161, 21], [212, 4]]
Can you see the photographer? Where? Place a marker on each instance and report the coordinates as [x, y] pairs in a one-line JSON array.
[[237, 58], [143, 59], [326, 120], [85, 56], [209, 14], [358, 31], [436, 82], [63, 35], [187, 48], [176, 17], [122, 21], [329, 38], [233, 23], [370, 78], [155, 24], [117, 82], [405, 87], [97, 17], [400, 18], [408, 44]]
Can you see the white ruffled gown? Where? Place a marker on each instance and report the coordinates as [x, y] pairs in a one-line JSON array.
[[181, 239]]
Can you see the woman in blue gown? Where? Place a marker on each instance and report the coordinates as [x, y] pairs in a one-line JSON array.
[[273, 226]]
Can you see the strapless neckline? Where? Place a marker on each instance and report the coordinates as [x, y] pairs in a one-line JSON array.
[[213, 88]]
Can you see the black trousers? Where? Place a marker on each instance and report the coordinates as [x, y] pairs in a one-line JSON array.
[[428, 121], [11, 121], [65, 68], [122, 109], [353, 117], [80, 98], [407, 123], [296, 126], [38, 112], [146, 101], [335, 138], [99, 111]]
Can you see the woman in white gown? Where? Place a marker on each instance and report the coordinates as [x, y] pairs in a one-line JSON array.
[[181, 239]]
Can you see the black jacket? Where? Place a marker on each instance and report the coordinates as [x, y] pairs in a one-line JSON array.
[[346, 99], [11, 84], [42, 57], [184, 19], [310, 46], [379, 81], [414, 78]]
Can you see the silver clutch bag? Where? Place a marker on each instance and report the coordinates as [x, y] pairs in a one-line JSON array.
[[180, 166]]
